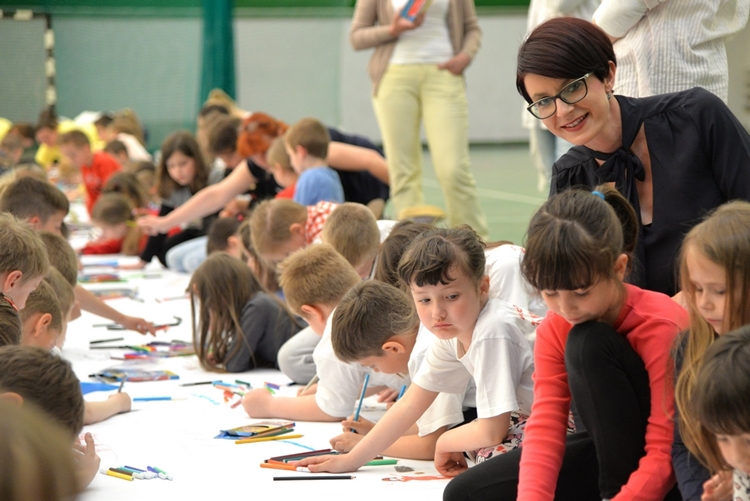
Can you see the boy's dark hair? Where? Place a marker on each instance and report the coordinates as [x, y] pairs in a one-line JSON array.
[[10, 323], [564, 48], [23, 129], [43, 300], [432, 256], [47, 119], [369, 315], [21, 249], [103, 121], [311, 135], [219, 233], [61, 256], [76, 138], [28, 197], [116, 147], [222, 134], [575, 238], [393, 247], [45, 380]]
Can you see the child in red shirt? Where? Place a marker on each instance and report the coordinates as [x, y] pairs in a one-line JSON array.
[[603, 348], [95, 167]]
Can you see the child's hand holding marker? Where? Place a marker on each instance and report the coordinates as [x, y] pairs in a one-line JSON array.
[[449, 464], [359, 425], [388, 395]]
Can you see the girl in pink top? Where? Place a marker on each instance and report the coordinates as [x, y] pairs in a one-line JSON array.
[[604, 347]]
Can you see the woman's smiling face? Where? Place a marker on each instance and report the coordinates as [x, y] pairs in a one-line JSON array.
[[578, 123]]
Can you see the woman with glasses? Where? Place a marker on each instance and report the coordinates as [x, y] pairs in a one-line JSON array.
[[673, 156]]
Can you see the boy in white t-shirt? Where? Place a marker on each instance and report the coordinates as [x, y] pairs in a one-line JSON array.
[[314, 279], [375, 325]]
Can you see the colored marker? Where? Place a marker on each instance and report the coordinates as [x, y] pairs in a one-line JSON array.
[[314, 380], [288, 467], [199, 383], [134, 469], [361, 398], [243, 382], [155, 399], [115, 474], [401, 393], [122, 383], [162, 474], [381, 462], [124, 471], [112, 340], [271, 385], [318, 477], [266, 439]]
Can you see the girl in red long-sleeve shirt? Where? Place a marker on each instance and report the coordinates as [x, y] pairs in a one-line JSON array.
[[604, 351]]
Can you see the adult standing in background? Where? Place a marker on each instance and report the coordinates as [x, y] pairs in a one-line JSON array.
[[667, 46], [545, 147], [417, 75]]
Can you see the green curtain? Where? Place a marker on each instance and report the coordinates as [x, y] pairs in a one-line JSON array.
[[218, 48]]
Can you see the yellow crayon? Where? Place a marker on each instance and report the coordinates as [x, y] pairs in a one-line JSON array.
[[115, 474], [266, 439]]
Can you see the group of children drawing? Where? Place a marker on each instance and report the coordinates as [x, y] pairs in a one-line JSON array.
[[541, 365]]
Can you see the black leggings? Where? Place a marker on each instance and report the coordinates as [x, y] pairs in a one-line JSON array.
[[610, 388]]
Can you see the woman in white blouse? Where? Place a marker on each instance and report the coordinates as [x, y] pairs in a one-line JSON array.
[[417, 75]]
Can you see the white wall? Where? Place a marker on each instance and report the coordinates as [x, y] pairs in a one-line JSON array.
[[306, 67]]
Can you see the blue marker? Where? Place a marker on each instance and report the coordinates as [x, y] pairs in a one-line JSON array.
[[401, 393], [361, 398]]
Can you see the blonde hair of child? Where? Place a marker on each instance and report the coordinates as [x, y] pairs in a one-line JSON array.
[[20, 171], [311, 135], [22, 249], [315, 275], [266, 275], [724, 239], [112, 209], [721, 398], [277, 155], [74, 137], [270, 223], [353, 231], [38, 462], [61, 256], [43, 301], [368, 316], [10, 323], [222, 286]]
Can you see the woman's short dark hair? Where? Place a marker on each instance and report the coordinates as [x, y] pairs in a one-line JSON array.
[[564, 47]]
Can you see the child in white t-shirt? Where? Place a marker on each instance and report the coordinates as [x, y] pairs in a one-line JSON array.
[[477, 336]]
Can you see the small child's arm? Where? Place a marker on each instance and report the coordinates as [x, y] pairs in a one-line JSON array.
[[105, 409], [484, 432], [396, 421], [93, 304], [259, 403], [408, 446], [86, 462]]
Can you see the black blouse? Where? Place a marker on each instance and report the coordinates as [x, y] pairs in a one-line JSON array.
[[700, 159]]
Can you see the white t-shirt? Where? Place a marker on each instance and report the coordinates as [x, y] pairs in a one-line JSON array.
[[499, 358], [503, 266], [447, 409], [427, 44], [340, 383]]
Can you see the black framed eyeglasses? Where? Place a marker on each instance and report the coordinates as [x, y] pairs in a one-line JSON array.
[[570, 94]]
